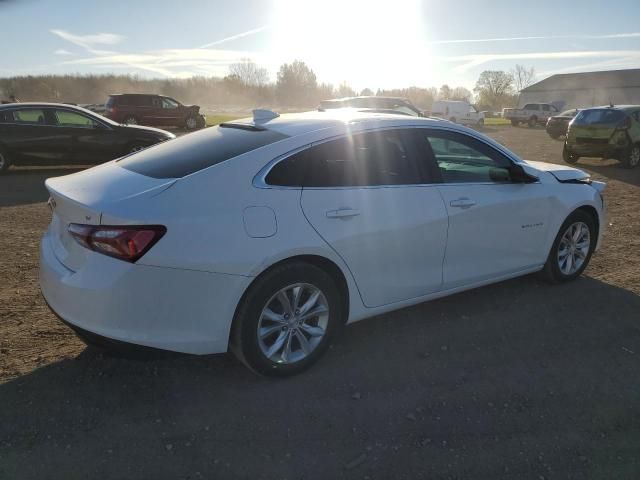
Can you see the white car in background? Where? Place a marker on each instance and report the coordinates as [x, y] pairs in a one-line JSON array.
[[267, 234], [457, 112]]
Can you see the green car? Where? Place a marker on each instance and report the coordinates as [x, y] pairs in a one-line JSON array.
[[605, 132]]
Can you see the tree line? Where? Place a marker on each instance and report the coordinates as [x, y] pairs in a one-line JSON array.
[[247, 85]]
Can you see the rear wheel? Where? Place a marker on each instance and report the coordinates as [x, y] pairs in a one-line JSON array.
[[131, 120], [631, 158], [533, 121], [572, 248], [4, 161], [286, 320], [569, 157]]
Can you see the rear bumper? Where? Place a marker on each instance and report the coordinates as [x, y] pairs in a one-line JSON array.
[[605, 150], [165, 308]]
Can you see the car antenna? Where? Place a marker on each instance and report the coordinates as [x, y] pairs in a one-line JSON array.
[[264, 115]]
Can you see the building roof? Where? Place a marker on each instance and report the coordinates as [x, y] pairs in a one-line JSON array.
[[572, 81]]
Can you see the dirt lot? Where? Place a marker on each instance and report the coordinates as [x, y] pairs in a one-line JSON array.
[[515, 380]]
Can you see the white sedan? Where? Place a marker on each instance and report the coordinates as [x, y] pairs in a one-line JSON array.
[[265, 235]]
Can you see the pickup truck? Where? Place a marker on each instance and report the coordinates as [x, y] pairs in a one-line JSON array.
[[532, 114]]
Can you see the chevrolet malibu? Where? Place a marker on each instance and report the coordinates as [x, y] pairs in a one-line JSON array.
[[265, 235]]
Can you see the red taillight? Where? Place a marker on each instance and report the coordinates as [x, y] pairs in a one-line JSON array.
[[124, 242]]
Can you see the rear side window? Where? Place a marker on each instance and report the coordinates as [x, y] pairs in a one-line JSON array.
[[191, 153], [368, 159], [602, 116], [30, 116]]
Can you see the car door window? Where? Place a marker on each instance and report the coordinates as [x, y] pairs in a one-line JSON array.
[[30, 116], [545, 108], [462, 159], [167, 103], [369, 159], [66, 118]]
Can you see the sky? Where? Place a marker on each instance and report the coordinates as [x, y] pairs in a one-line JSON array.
[[372, 44]]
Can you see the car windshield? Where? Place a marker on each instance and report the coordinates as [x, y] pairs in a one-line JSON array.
[[602, 116]]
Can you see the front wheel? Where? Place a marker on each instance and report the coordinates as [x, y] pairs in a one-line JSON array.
[[631, 158], [191, 123], [572, 248], [131, 120], [286, 320], [569, 157], [533, 121]]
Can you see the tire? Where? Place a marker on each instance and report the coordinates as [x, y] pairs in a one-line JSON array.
[[5, 162], [131, 120], [555, 269], [264, 294], [481, 122], [631, 158], [191, 123], [533, 121], [201, 123], [569, 157], [514, 123]]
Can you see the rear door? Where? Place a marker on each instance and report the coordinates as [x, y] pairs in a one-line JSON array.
[[367, 196], [496, 226], [32, 139]]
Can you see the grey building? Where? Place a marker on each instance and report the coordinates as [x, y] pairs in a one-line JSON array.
[[589, 89]]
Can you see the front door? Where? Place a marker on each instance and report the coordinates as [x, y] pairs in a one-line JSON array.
[[366, 197], [496, 226]]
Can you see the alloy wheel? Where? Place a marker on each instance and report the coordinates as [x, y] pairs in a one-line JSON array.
[[574, 248], [293, 323]]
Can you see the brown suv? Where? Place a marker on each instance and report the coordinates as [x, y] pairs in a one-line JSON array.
[[154, 110]]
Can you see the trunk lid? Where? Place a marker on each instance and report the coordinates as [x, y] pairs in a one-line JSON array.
[[83, 196]]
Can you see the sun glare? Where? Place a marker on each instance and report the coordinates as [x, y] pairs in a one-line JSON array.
[[365, 43]]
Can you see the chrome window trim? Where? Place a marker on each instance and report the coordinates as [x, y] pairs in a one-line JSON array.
[[33, 107], [259, 180]]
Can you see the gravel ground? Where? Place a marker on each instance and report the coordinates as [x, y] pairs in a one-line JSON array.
[[514, 380]]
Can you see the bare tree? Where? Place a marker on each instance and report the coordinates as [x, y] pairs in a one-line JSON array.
[[345, 90], [248, 73], [445, 92], [296, 84], [522, 77], [366, 92], [461, 93]]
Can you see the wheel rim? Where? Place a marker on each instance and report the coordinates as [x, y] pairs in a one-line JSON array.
[[634, 158], [293, 323], [191, 123], [574, 248], [131, 121]]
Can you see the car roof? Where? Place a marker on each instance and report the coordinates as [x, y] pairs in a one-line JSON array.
[[7, 106], [293, 124]]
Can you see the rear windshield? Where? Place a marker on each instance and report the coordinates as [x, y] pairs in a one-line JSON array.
[[606, 116], [191, 153]]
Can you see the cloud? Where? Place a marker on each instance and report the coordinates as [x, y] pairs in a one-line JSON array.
[[550, 37], [89, 42], [171, 62], [470, 61], [235, 37], [62, 51]]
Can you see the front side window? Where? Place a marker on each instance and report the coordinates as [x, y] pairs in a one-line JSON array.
[[66, 118], [545, 108], [366, 159], [462, 159], [168, 103], [532, 106]]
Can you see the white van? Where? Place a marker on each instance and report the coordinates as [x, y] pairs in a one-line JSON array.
[[457, 112]]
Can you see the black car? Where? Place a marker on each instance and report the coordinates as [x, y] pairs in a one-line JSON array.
[[59, 134], [557, 126]]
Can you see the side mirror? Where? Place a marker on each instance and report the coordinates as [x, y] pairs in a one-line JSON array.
[[518, 175], [498, 174]]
